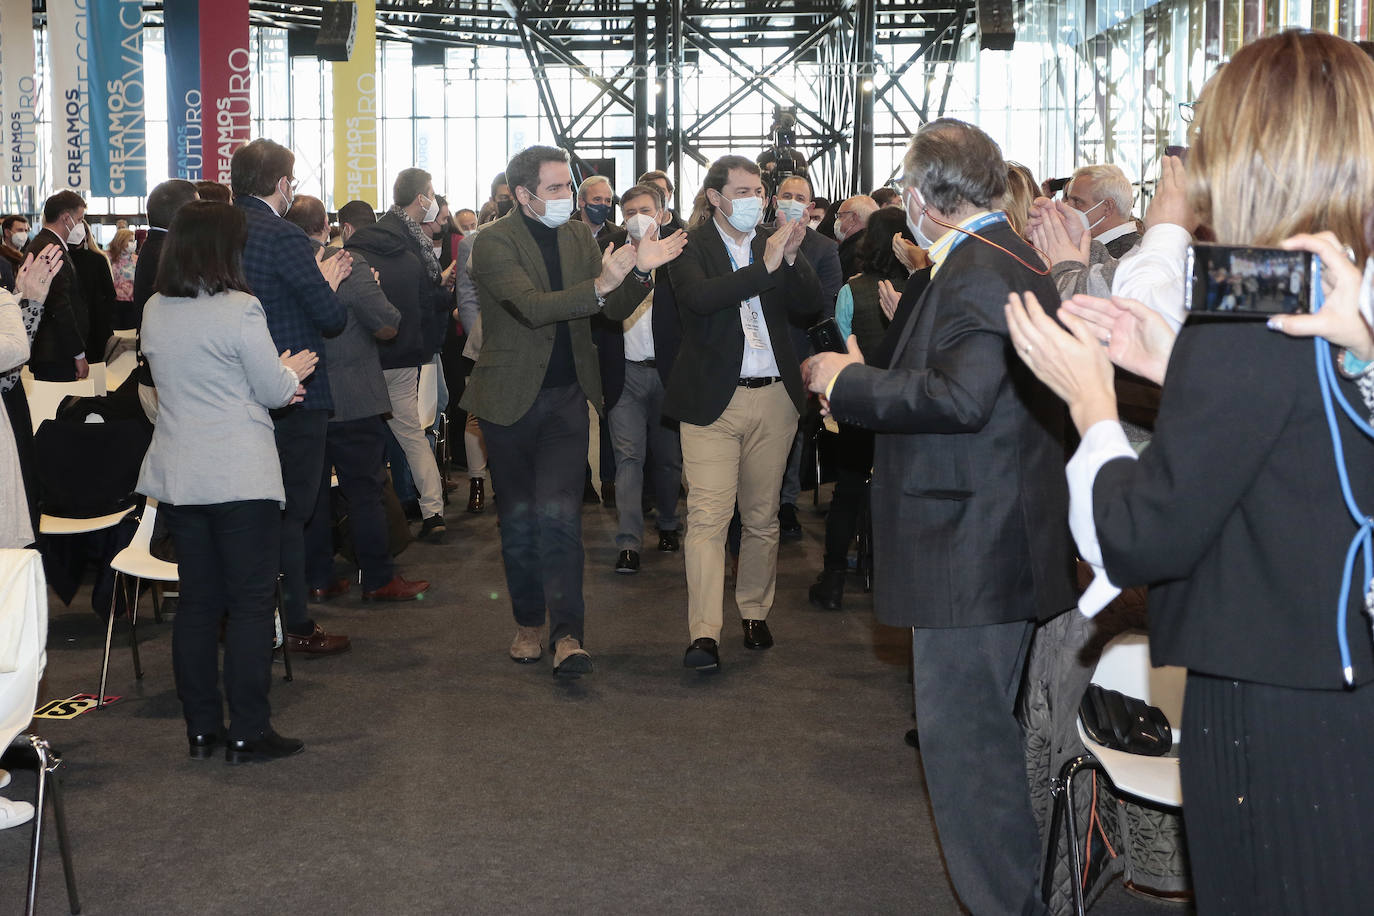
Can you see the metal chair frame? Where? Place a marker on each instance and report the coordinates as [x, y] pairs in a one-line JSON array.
[[47, 764]]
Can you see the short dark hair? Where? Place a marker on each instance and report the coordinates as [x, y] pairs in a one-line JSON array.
[[496, 182], [166, 199], [256, 167], [798, 176], [62, 202], [640, 190], [308, 213], [703, 211], [203, 253], [523, 169], [9, 221], [953, 163], [409, 184], [357, 213], [884, 195], [213, 190]]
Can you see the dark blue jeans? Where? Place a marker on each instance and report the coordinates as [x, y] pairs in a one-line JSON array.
[[354, 448], [227, 558], [536, 467]]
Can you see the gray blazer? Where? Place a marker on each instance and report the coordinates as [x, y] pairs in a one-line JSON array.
[[217, 375], [355, 369]]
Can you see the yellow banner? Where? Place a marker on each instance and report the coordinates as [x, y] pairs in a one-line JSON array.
[[355, 115]]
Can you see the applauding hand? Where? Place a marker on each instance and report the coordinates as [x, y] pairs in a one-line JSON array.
[[336, 269], [652, 251], [35, 275]]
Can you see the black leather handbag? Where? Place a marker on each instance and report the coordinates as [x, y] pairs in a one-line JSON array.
[[1124, 723]]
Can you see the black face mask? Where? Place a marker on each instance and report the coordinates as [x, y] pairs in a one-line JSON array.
[[504, 206]]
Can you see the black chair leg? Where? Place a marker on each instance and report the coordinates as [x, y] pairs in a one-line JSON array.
[[1071, 769], [133, 628], [48, 764], [109, 638], [281, 622]]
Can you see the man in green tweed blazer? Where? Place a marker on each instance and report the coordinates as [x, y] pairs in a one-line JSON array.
[[539, 279]]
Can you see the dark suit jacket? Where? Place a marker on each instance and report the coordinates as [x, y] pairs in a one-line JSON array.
[[709, 292], [145, 284], [93, 273], [970, 505], [520, 314], [1234, 515], [62, 330], [279, 264]]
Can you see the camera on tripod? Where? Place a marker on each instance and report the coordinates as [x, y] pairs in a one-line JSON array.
[[782, 159]]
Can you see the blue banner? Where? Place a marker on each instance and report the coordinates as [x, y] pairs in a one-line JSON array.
[[181, 32], [119, 147]]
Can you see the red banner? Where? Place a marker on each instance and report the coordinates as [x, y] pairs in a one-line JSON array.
[[226, 121]]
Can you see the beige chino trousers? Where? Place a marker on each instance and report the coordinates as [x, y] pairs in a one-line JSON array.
[[740, 457]]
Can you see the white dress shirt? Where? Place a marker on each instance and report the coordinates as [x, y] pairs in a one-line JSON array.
[[639, 331], [758, 361], [1104, 441], [1153, 272]]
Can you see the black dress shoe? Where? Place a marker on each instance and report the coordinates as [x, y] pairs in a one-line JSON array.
[[203, 746], [913, 739], [703, 655], [828, 592], [267, 746], [669, 541], [756, 635], [628, 562]]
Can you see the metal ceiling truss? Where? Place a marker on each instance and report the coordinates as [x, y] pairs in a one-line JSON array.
[[669, 40]]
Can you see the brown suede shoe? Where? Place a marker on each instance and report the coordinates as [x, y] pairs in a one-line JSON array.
[[398, 589], [525, 649], [570, 659], [317, 643], [339, 586]]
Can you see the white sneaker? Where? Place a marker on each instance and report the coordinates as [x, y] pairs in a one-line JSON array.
[[14, 813]]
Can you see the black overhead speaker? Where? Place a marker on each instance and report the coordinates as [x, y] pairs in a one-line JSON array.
[[338, 27], [996, 25]]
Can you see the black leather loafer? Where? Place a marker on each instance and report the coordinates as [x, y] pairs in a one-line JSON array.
[[267, 746], [203, 746], [627, 564], [703, 655], [756, 635], [669, 541]]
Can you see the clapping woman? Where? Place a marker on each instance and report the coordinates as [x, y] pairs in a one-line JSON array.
[[1234, 515], [213, 468]]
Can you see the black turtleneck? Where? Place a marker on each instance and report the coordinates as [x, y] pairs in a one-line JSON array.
[[562, 368]]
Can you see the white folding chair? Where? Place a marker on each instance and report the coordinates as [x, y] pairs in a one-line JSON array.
[[1125, 667], [23, 641], [137, 562]]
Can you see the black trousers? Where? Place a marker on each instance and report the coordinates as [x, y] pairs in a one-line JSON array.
[[966, 680], [227, 557], [854, 463], [355, 449], [536, 466], [301, 448], [1277, 797]]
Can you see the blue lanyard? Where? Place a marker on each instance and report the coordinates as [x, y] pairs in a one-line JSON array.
[[729, 254], [1363, 540], [982, 222]]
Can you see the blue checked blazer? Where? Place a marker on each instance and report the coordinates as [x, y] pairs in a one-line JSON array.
[[279, 264]]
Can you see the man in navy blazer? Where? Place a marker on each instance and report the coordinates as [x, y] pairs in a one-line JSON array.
[[971, 545], [297, 293]]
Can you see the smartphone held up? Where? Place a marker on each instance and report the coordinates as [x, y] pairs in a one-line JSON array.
[[1242, 281]]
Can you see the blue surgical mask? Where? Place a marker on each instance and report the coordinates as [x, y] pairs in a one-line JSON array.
[[556, 212], [597, 214], [745, 213], [792, 209]]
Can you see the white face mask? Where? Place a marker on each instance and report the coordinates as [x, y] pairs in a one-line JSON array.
[[745, 213], [77, 235], [1083, 217], [638, 224], [431, 211], [556, 212], [19, 239], [922, 239], [792, 209], [815, 221]]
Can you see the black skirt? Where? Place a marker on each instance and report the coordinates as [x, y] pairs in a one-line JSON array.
[[1278, 797]]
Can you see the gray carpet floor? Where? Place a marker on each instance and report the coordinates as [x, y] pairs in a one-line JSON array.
[[439, 777]]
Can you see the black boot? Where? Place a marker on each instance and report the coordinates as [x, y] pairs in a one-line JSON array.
[[828, 592]]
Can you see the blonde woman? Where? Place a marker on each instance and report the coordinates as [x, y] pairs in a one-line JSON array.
[[1234, 515]]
